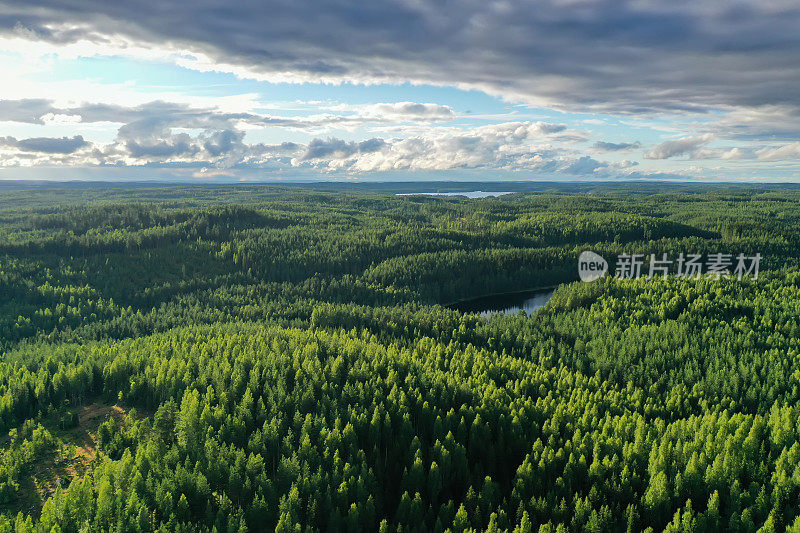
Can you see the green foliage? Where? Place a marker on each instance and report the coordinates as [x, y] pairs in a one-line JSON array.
[[291, 364]]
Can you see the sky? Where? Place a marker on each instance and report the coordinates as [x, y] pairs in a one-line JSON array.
[[400, 90]]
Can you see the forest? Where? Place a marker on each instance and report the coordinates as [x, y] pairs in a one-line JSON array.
[[289, 358]]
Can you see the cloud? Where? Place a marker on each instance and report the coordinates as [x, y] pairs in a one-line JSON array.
[[160, 113], [585, 165], [168, 139], [408, 111], [60, 119], [511, 147], [29, 111], [282, 148], [615, 147], [152, 138], [42, 111], [546, 127], [684, 56], [683, 146], [787, 151], [46, 145], [762, 121], [736, 153], [222, 142], [493, 146], [318, 148], [162, 148]]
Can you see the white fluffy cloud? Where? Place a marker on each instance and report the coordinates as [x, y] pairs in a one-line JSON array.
[[787, 151], [512, 147], [170, 133]]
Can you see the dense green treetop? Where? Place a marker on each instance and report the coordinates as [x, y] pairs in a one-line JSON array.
[[287, 359]]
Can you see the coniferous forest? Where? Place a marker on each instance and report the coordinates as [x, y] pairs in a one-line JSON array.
[[262, 358]]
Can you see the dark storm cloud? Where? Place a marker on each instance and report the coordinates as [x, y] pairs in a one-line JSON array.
[[615, 147], [45, 145], [624, 56]]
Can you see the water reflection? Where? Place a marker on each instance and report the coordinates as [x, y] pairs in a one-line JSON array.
[[468, 194], [505, 303]]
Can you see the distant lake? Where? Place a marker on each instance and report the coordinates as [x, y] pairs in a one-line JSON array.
[[468, 194], [505, 303]]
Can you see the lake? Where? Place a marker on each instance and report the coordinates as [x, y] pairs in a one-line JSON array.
[[468, 194], [529, 302]]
